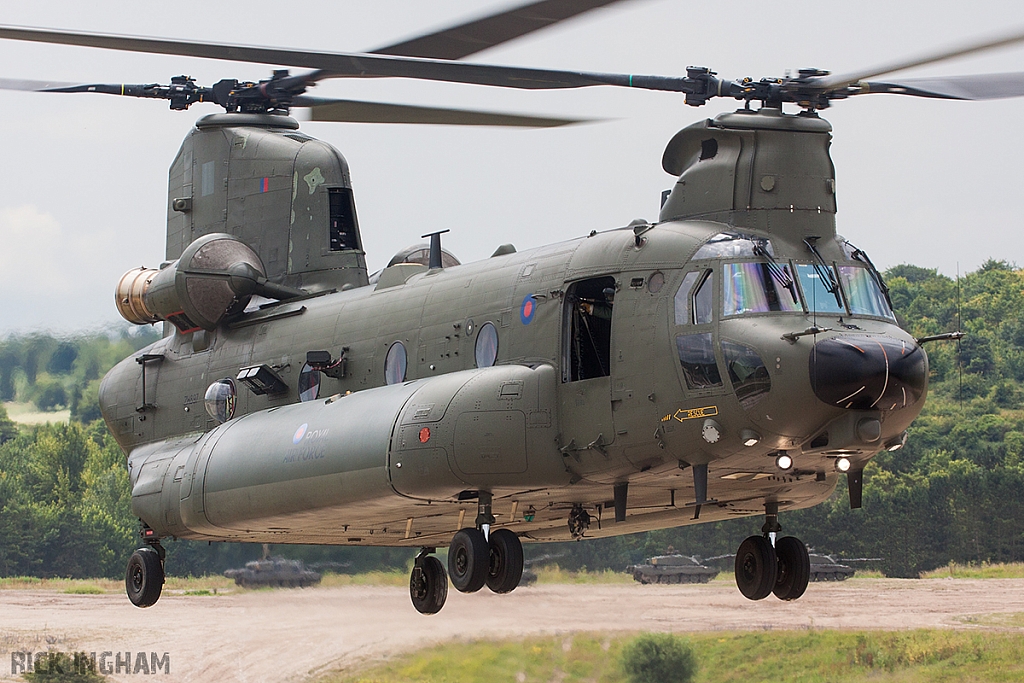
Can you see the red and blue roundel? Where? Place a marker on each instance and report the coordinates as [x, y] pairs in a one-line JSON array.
[[527, 310]]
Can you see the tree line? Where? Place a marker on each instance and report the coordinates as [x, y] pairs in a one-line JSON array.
[[953, 493]]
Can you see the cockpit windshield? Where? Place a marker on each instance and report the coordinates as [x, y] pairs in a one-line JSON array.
[[817, 290], [863, 293], [758, 288], [758, 282]]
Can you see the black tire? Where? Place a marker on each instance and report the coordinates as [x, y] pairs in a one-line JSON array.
[[428, 586], [469, 559], [794, 568], [756, 568], [505, 568], [144, 578]]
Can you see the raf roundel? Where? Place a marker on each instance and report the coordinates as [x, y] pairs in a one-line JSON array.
[[299, 433], [527, 310]]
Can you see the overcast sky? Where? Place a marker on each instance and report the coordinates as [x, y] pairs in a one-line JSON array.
[[83, 179]]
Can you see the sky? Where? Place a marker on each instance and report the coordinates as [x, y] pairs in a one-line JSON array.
[[83, 178]]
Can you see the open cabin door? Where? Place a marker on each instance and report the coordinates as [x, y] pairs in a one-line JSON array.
[[585, 398]]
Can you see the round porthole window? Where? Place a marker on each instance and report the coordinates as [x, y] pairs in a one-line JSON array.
[[309, 383], [395, 364], [655, 282], [486, 346], [220, 400]]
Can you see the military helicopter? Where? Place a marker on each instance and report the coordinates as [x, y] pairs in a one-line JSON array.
[[734, 358]]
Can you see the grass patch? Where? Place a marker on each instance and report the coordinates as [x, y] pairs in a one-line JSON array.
[[785, 656], [983, 570], [1005, 620], [555, 574], [70, 586]]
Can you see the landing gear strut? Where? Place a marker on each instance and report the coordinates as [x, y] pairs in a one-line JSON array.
[[144, 577], [765, 565], [477, 557]]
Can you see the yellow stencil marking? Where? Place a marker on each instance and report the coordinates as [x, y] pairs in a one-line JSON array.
[[695, 413]]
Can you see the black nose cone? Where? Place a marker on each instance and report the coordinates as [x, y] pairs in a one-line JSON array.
[[865, 373]]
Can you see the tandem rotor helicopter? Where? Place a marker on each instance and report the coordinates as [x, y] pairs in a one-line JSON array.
[[734, 358]]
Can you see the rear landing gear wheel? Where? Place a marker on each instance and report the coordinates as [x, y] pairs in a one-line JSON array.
[[144, 578], [428, 585], [756, 568], [506, 566], [794, 568], [468, 560]]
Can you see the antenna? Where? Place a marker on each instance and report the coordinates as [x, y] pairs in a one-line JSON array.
[[959, 342]]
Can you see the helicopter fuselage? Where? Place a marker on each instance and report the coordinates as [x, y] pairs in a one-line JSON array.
[[558, 377]]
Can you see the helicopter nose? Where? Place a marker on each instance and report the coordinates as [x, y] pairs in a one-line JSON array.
[[864, 373]]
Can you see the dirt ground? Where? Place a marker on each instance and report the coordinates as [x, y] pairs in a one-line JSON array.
[[295, 634]]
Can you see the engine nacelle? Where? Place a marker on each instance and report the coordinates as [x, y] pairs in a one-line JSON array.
[[215, 277]]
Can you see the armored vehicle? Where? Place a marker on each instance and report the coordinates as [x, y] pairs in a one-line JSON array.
[[826, 568], [274, 571], [672, 569]]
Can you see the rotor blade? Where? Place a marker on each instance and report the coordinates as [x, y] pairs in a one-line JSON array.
[[34, 86], [457, 42], [341, 64], [354, 111], [974, 87], [827, 83]]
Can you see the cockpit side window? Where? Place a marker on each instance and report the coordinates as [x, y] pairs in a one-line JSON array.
[[697, 356], [684, 314], [703, 299]]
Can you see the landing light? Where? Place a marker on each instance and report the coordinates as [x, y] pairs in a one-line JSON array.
[[750, 437], [784, 462], [843, 464], [897, 443]]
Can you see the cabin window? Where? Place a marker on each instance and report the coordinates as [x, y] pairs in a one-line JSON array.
[[747, 372], [863, 293], [486, 346], [395, 364], [588, 329], [697, 356], [220, 400], [758, 288], [344, 233], [309, 383]]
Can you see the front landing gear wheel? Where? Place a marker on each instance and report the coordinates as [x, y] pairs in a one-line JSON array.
[[468, 560], [756, 568], [144, 578], [428, 586], [794, 568], [506, 565]]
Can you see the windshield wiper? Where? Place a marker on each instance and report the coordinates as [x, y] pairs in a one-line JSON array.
[[863, 258], [778, 273], [824, 272]]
